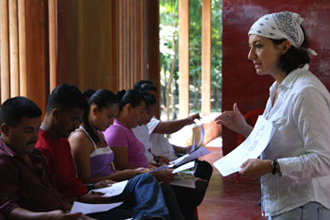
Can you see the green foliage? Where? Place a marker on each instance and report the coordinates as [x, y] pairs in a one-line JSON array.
[[169, 37]]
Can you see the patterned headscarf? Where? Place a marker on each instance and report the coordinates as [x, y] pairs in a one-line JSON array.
[[281, 25]]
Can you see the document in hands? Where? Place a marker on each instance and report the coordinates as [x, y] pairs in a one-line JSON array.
[[201, 151], [92, 208], [113, 190], [251, 148], [185, 175]]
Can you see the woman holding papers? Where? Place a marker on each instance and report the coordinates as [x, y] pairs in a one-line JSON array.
[[295, 166], [94, 163]]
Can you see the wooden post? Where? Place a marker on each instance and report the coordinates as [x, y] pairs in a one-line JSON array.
[[206, 57], [4, 47], [52, 21], [183, 58], [22, 48], [13, 48]]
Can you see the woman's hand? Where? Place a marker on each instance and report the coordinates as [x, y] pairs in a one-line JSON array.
[[234, 120], [255, 168]]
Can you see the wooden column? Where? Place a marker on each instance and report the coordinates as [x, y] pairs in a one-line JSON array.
[[152, 71], [52, 21], [13, 48], [22, 48], [37, 53], [206, 57], [131, 42], [183, 58], [4, 47]]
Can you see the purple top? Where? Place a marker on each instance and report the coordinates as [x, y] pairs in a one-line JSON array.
[[101, 159], [120, 135], [101, 163], [23, 186]]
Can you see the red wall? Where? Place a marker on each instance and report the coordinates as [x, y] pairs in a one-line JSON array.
[[240, 82]]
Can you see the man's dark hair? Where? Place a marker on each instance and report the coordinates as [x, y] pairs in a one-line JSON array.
[[145, 85], [14, 109], [66, 97]]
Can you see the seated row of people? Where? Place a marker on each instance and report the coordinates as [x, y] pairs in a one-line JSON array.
[[129, 110], [144, 197]]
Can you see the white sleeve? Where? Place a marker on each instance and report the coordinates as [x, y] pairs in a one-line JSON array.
[[152, 124], [311, 114]]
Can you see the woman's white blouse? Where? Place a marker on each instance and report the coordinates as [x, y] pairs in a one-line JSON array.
[[301, 144]]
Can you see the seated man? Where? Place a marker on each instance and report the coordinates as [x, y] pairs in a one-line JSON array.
[[65, 107], [26, 190]]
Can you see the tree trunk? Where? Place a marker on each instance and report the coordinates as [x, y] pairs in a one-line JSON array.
[[170, 80]]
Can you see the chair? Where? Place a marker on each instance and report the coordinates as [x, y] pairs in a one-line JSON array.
[[251, 118]]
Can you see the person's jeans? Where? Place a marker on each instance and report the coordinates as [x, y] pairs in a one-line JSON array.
[[144, 197], [309, 211]]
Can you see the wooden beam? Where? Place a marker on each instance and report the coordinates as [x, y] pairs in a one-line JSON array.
[[183, 58], [206, 57], [4, 47]]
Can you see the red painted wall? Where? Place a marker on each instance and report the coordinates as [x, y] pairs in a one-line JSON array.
[[240, 82]]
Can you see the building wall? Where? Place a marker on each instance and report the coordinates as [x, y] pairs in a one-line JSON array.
[[240, 82]]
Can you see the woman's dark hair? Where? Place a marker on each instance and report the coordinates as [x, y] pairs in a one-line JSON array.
[[130, 96], [149, 98], [295, 57], [88, 93], [102, 98], [145, 85]]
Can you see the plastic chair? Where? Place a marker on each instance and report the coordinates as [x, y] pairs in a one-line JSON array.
[[251, 118]]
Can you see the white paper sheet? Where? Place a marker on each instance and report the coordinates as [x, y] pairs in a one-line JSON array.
[[194, 145], [93, 208], [201, 151], [113, 190], [251, 148], [184, 167]]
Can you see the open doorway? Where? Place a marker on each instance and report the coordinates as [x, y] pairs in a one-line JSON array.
[[169, 53], [170, 59]]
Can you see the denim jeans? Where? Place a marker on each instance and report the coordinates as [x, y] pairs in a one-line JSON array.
[[143, 196], [309, 211]]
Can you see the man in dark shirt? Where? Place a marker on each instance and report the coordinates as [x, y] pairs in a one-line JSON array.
[[26, 190]]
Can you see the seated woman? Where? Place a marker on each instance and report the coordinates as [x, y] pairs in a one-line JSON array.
[[129, 150], [94, 159]]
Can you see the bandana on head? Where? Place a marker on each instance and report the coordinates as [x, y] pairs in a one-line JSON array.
[[281, 25]]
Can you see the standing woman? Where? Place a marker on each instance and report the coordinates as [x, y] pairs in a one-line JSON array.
[[295, 166]]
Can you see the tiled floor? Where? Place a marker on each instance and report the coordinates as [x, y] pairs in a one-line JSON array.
[[227, 200]]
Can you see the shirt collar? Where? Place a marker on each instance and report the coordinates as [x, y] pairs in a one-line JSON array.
[[7, 149], [291, 77], [289, 80]]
